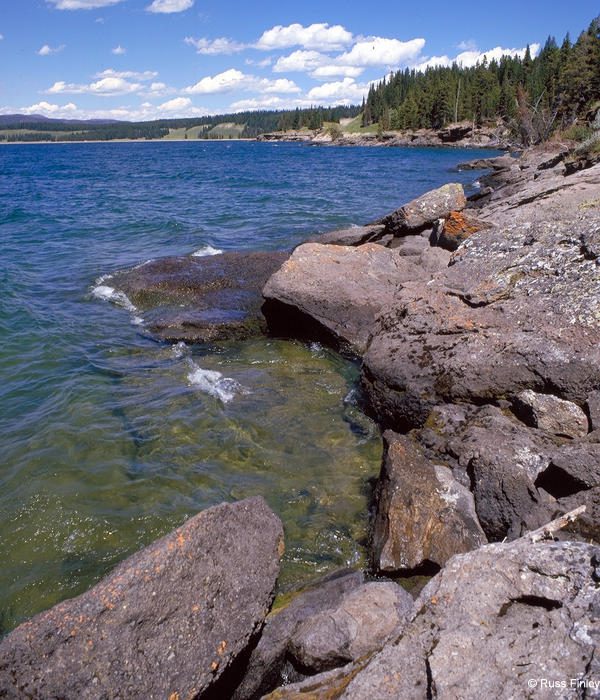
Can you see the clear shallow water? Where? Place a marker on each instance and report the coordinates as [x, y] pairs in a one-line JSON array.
[[108, 439]]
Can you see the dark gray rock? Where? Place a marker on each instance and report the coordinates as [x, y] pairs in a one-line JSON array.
[[425, 210], [423, 516], [503, 459], [364, 620], [200, 299], [592, 405], [492, 620], [356, 235], [166, 623], [267, 662], [572, 468], [551, 414]]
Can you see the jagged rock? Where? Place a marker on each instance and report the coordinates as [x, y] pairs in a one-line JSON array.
[[551, 414], [456, 228], [200, 299], [572, 468], [425, 210], [356, 235], [503, 458], [335, 293], [520, 611], [422, 515], [587, 525], [269, 659], [455, 132], [490, 325], [593, 408], [166, 623], [363, 621]]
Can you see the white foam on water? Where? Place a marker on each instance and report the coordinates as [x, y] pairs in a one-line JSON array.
[[477, 185], [179, 350], [137, 321], [106, 293], [206, 250], [214, 383]]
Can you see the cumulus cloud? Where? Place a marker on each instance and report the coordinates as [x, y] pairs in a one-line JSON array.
[[169, 6], [49, 109], [82, 4], [316, 36], [176, 104], [339, 92], [233, 79], [333, 71], [300, 61], [222, 82], [47, 50], [107, 87], [378, 51], [472, 57], [214, 47], [119, 50], [270, 102]]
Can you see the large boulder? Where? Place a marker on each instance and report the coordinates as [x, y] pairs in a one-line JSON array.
[[166, 623], [333, 293], [551, 414], [423, 516], [491, 325], [497, 622], [200, 299], [335, 621], [424, 211]]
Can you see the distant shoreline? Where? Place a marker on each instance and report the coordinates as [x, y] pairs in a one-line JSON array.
[[45, 143]]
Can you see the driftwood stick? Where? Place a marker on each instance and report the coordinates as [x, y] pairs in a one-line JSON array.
[[545, 532]]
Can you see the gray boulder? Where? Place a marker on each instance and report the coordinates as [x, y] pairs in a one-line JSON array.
[[200, 299], [551, 414], [424, 211], [492, 621], [166, 623], [356, 235], [423, 516]]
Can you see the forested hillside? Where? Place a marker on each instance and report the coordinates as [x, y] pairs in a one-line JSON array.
[[537, 94]]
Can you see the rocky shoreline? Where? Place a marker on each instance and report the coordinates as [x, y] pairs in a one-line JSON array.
[[458, 135], [477, 323]]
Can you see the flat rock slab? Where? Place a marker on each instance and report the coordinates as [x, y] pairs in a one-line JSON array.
[[356, 235], [166, 623], [422, 515], [201, 299], [490, 622], [335, 293]]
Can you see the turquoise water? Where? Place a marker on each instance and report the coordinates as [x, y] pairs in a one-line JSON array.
[[107, 438]]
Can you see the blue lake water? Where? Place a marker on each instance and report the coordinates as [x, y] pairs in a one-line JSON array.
[[107, 439]]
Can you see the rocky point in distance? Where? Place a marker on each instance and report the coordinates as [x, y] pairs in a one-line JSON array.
[[477, 323]]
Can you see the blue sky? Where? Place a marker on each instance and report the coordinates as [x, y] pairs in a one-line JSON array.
[[147, 59]]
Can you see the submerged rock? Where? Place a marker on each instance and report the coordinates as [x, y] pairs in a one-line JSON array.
[[201, 299], [166, 623], [423, 516]]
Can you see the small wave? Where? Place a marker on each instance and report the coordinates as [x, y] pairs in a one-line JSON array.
[[137, 321], [206, 250], [477, 185], [179, 350], [215, 384], [106, 293]]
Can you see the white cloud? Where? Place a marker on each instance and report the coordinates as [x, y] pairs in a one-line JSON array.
[[378, 51], [300, 61], [47, 50], [82, 4], [340, 92], [1, 37], [170, 6], [468, 45], [332, 71], [222, 82], [175, 105], [107, 87], [135, 75], [213, 47], [119, 50], [316, 36], [472, 57], [269, 102], [48, 109], [234, 79]]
